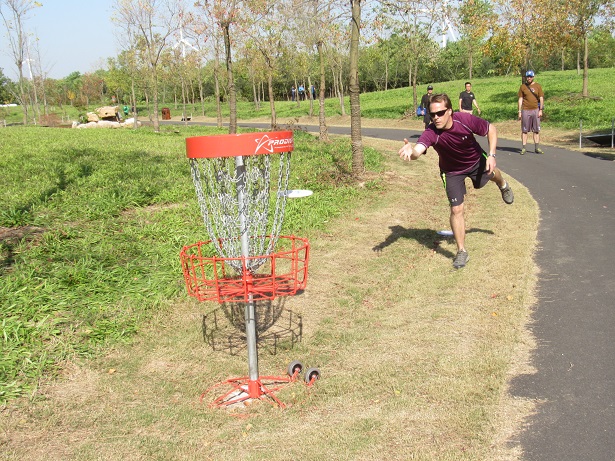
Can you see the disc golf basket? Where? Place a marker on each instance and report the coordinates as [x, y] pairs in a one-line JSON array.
[[245, 259]]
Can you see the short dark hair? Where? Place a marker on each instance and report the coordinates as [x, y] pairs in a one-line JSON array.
[[442, 97], [467, 83]]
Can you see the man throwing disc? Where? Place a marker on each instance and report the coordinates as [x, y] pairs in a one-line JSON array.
[[451, 134]]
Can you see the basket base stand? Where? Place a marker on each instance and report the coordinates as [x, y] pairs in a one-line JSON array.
[[245, 390]]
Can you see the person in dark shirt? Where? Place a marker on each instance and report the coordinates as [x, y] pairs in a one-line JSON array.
[[451, 134], [425, 105], [467, 100]]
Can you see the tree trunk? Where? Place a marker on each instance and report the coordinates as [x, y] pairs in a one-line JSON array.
[[155, 119], [323, 134], [578, 61], [274, 121], [35, 106], [134, 102], [311, 98], [184, 98], [585, 66], [217, 89], [358, 161], [44, 96], [22, 96], [341, 91], [413, 84], [386, 75], [232, 94], [201, 94], [147, 103], [255, 93], [262, 94]]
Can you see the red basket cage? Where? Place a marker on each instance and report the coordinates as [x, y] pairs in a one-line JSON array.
[[210, 278]]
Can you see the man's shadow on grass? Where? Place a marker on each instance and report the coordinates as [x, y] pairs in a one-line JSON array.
[[429, 238]]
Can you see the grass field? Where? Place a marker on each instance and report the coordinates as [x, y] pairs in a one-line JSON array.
[[497, 97], [92, 224], [107, 353], [103, 355]]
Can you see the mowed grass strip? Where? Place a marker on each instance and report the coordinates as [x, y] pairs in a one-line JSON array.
[[414, 355]]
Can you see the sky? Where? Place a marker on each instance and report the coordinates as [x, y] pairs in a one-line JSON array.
[[73, 35]]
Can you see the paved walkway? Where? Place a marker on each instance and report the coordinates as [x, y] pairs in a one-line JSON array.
[[574, 319]]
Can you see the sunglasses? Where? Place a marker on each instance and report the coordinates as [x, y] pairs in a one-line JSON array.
[[440, 113]]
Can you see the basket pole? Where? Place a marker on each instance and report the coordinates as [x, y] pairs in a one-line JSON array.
[[250, 314]]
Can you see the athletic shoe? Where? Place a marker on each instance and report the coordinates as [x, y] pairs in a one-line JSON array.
[[507, 194], [523, 151], [539, 150], [461, 259]]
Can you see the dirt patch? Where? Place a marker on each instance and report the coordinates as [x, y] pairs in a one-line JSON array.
[[12, 235]]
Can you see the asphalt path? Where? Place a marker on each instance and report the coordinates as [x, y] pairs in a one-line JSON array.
[[574, 318]]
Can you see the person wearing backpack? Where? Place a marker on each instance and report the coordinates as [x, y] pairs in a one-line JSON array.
[[424, 106], [531, 105], [452, 136]]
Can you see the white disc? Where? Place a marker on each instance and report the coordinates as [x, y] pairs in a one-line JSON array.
[[445, 233], [295, 193]]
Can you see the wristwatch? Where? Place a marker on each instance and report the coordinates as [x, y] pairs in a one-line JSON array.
[[491, 155]]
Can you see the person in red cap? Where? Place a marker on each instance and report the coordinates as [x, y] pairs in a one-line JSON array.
[[531, 105]]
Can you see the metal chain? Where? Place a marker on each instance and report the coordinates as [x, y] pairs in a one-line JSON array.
[[216, 181]]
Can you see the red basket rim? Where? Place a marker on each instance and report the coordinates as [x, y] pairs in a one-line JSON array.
[[223, 287], [244, 144]]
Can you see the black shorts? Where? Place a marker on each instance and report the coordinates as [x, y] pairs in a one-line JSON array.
[[455, 184]]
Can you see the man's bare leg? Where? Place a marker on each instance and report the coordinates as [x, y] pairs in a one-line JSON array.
[[505, 190], [498, 178], [458, 225]]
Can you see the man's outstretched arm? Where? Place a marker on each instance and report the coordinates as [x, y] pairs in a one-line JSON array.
[[408, 152]]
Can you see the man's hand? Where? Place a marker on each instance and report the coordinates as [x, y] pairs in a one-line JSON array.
[[490, 166], [406, 151]]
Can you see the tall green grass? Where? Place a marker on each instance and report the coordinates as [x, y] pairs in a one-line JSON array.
[[101, 217]]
